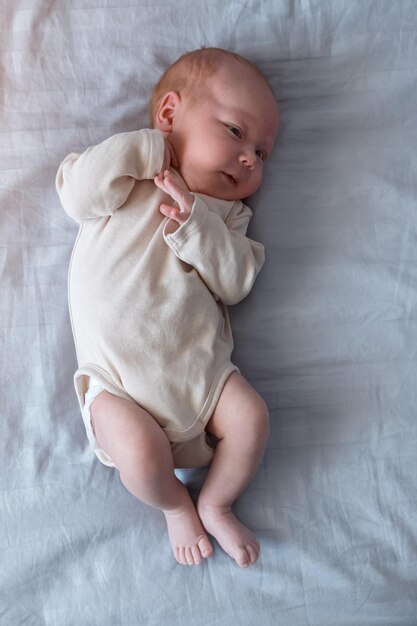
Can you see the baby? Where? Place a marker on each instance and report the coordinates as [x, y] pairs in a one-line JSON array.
[[161, 251]]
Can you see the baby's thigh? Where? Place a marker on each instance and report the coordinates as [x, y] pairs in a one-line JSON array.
[[239, 405], [124, 430]]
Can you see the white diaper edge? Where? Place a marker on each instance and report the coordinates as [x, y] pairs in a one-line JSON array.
[[94, 389]]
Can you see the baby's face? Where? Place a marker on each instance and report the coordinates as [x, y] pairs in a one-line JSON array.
[[222, 140]]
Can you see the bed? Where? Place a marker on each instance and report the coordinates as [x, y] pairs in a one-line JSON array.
[[328, 335]]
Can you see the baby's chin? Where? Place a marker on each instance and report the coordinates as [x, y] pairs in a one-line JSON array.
[[214, 191], [216, 188], [233, 194], [219, 195]]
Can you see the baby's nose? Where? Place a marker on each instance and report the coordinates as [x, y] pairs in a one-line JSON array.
[[248, 158]]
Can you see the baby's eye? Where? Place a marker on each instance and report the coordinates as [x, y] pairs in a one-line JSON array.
[[236, 131], [261, 154]]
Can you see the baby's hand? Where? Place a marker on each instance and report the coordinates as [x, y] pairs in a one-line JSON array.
[[180, 194]]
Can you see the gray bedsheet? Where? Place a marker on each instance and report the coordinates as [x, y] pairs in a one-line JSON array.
[[328, 336]]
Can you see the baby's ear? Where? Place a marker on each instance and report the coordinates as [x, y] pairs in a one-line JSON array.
[[167, 110]]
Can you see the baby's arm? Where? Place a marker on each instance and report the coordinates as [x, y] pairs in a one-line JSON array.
[[99, 181], [226, 260]]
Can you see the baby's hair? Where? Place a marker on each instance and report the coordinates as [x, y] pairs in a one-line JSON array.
[[192, 69]]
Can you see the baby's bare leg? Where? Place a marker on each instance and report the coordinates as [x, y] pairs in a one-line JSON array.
[[140, 450], [241, 423]]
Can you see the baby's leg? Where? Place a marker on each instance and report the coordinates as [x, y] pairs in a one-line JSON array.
[[140, 450], [241, 423]]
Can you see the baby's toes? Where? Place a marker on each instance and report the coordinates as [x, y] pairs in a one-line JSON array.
[[205, 547], [253, 552], [196, 555], [180, 555], [241, 557], [189, 556]]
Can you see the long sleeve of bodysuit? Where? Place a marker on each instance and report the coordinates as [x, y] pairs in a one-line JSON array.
[[98, 181], [226, 260]]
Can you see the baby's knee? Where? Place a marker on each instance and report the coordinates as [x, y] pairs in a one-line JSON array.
[[251, 421], [144, 459], [240, 410], [130, 436]]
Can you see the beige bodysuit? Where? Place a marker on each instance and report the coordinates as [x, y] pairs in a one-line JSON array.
[[148, 306]]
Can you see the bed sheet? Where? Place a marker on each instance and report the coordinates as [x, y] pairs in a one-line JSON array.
[[328, 335]]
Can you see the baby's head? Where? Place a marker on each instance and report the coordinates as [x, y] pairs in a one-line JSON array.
[[221, 118]]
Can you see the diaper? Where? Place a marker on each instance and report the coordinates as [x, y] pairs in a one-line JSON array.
[[193, 453], [94, 389]]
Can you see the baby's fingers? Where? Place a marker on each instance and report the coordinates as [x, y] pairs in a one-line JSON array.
[[171, 184], [174, 213], [159, 181], [165, 181]]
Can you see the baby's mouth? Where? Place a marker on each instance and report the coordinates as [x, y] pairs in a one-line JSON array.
[[232, 179]]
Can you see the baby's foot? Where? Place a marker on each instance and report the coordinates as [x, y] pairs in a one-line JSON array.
[[235, 539], [188, 539]]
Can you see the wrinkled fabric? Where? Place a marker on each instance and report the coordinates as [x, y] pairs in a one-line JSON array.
[[328, 335]]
